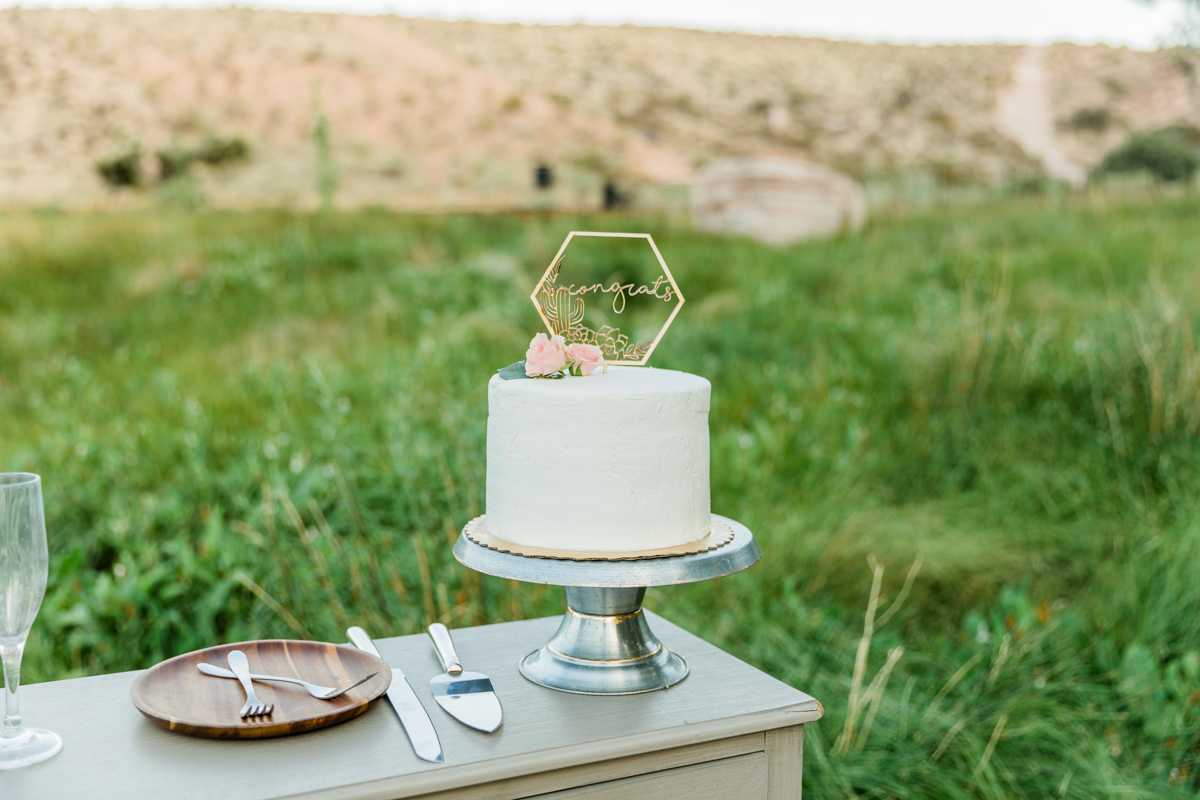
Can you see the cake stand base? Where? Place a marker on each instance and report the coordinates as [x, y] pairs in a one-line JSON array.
[[604, 644]]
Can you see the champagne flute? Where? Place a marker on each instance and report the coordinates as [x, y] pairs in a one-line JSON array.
[[24, 567]]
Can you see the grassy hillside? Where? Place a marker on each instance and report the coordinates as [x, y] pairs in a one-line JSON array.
[[981, 424], [431, 114]]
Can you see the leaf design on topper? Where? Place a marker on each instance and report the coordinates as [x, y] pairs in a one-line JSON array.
[[581, 309]]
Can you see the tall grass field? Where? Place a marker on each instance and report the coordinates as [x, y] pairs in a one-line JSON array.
[[968, 441]]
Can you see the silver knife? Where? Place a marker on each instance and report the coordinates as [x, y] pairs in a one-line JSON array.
[[413, 717], [466, 696]]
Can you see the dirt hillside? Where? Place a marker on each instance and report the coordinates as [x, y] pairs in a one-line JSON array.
[[430, 114]]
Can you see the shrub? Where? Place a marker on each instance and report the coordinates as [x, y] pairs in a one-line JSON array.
[[1035, 184], [952, 173], [1090, 119], [216, 152], [173, 163], [122, 170], [1169, 154]]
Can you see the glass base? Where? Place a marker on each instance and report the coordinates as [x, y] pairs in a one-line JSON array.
[[28, 748]]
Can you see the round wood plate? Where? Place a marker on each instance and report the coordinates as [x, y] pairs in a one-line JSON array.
[[177, 696]]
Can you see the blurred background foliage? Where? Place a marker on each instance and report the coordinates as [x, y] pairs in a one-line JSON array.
[[1167, 154], [973, 429]]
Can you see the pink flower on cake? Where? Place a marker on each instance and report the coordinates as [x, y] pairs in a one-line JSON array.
[[585, 357], [545, 356]]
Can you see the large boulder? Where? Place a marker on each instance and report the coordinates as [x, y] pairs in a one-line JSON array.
[[775, 199]]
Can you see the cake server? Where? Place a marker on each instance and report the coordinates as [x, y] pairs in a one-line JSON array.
[[417, 725], [466, 696]]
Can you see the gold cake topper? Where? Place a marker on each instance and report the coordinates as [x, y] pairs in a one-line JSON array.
[[566, 308]]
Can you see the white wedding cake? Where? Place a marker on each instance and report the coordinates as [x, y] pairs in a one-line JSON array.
[[614, 462]]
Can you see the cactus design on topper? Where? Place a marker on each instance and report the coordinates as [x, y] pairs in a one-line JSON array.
[[569, 304]]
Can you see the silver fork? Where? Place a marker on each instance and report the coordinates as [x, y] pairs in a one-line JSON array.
[[319, 692], [241, 670]]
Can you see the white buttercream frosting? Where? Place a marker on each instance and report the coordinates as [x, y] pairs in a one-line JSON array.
[[613, 462]]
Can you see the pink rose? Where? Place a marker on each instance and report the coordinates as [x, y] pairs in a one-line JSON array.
[[545, 356], [587, 357]]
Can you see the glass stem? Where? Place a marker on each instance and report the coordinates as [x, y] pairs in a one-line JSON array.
[[11, 655]]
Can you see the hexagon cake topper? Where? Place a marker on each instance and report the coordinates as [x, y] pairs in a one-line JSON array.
[[568, 299]]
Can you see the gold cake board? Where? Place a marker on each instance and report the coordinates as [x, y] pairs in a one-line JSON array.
[[719, 535]]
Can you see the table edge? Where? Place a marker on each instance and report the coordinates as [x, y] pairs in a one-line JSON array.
[[482, 772]]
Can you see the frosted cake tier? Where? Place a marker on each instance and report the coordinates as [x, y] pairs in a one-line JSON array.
[[611, 463]]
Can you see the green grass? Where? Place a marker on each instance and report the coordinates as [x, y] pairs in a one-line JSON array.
[[268, 424]]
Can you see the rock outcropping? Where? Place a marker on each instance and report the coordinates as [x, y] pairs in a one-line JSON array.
[[775, 199]]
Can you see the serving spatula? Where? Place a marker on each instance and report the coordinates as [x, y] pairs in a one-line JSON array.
[[466, 696]]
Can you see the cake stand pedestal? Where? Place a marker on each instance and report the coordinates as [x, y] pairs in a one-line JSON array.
[[604, 644]]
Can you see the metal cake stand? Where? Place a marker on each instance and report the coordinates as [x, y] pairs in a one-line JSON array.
[[604, 644]]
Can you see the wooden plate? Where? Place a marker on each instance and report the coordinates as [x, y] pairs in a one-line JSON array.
[[177, 696]]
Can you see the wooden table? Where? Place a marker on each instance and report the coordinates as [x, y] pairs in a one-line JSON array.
[[727, 731]]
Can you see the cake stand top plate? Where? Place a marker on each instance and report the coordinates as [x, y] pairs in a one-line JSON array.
[[736, 556]]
